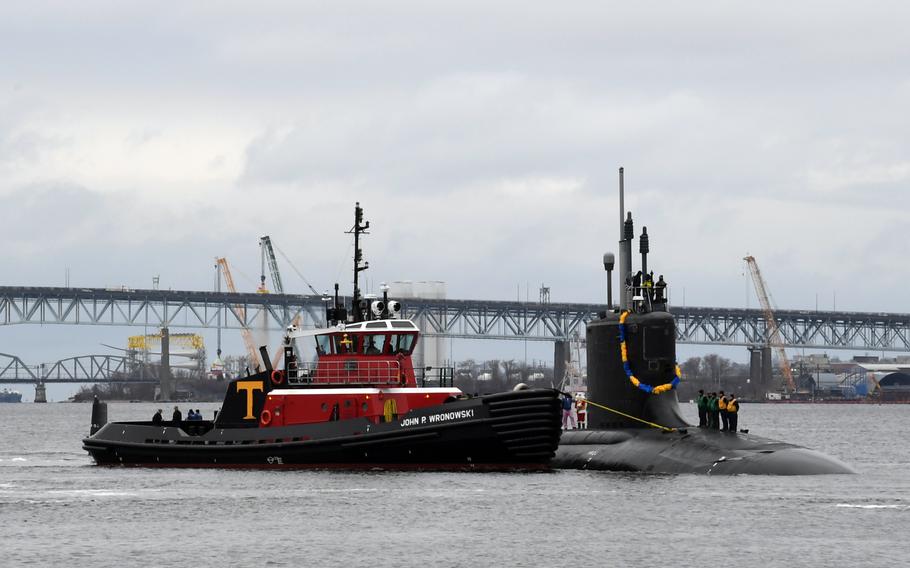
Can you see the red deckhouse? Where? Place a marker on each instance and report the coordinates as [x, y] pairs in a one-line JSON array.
[[362, 369]]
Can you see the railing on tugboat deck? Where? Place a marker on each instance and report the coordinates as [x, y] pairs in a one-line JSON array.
[[435, 376], [347, 372]]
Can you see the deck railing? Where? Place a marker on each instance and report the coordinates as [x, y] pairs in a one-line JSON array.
[[347, 372], [435, 376]]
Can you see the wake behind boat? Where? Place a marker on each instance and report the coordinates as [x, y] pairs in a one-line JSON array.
[[359, 404]]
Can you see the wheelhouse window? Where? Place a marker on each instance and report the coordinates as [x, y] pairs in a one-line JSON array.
[[373, 344], [324, 344], [403, 343], [344, 344]]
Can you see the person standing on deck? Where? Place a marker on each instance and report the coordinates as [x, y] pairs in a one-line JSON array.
[[647, 285], [636, 283], [733, 412], [722, 408], [177, 416], [713, 418], [660, 291], [581, 413], [567, 405], [702, 402]]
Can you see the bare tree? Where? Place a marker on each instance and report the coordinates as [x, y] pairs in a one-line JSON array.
[[716, 367], [691, 369]]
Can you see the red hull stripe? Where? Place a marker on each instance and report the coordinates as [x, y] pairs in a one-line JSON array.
[[353, 391]]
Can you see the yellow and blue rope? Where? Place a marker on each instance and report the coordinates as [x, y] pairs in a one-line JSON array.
[[628, 368]]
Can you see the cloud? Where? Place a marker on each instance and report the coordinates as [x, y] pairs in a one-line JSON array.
[[483, 140]]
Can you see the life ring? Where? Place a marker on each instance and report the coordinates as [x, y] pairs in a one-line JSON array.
[[265, 418], [277, 377]]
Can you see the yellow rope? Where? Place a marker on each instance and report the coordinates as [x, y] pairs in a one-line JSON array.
[[629, 416]]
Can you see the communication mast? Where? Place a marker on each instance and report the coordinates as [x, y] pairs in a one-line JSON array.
[[360, 228], [774, 339]]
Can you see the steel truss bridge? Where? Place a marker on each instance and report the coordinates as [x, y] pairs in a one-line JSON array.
[[474, 319], [83, 369]]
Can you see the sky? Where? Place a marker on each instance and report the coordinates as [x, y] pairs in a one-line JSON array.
[[483, 139]]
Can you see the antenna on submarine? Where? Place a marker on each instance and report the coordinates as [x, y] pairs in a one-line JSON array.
[[626, 234], [622, 206]]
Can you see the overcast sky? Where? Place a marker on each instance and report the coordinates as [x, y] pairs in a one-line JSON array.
[[482, 138]]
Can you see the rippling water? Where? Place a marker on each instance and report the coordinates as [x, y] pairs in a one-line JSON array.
[[57, 508]]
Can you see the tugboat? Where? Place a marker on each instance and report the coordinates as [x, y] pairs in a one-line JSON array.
[[634, 420], [361, 403]]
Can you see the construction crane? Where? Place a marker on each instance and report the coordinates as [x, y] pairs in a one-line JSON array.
[[774, 339], [268, 257], [240, 313]]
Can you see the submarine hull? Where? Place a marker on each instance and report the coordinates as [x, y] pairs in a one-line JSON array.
[[633, 429], [697, 451]]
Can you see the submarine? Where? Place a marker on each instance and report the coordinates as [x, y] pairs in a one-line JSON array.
[[634, 420]]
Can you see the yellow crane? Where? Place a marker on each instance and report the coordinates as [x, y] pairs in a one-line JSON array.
[[240, 312], [774, 339]]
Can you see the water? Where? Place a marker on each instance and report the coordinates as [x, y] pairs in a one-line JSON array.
[[58, 509]]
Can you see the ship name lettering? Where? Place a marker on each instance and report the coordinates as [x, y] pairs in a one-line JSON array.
[[454, 415], [441, 417]]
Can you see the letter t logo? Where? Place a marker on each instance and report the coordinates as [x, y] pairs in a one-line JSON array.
[[249, 387]]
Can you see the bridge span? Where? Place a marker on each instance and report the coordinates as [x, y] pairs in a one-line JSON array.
[[470, 319], [76, 370]]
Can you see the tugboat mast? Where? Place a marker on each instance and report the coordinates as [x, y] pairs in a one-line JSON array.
[[360, 227]]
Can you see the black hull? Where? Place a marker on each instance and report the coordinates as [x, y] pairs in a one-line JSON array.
[[514, 430], [698, 450], [618, 441]]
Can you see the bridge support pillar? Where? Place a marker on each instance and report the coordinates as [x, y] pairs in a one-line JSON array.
[[755, 372], [760, 370], [40, 392], [766, 370], [562, 356]]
